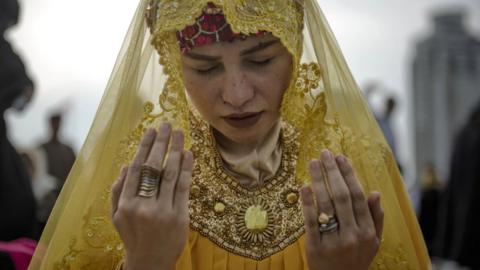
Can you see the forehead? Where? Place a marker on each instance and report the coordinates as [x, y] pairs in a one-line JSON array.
[[235, 47]]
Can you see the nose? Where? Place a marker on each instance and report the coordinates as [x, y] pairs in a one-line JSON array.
[[237, 89]]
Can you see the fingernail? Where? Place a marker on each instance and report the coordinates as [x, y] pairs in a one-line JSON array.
[[315, 164], [326, 155], [376, 195], [341, 159]]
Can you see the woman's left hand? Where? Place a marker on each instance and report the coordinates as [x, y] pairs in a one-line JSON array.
[[355, 242]]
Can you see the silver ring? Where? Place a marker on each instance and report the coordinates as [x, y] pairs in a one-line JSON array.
[[327, 224]]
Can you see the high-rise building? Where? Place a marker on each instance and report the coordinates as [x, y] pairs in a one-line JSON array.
[[446, 85]]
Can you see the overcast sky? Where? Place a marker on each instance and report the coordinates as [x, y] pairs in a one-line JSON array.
[[70, 48]]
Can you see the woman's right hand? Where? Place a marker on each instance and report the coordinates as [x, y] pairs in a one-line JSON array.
[[155, 229]]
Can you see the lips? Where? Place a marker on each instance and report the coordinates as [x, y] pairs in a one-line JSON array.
[[243, 120]]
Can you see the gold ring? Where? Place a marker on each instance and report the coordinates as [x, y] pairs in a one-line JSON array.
[[149, 181]]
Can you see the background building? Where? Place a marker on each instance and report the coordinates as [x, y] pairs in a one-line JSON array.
[[446, 85]]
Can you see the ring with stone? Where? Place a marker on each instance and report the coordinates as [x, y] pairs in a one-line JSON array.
[[327, 223]]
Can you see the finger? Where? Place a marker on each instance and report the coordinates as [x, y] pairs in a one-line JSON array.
[[182, 189], [117, 189], [359, 203], [133, 174], [319, 187], [172, 170], [310, 215], [340, 193], [324, 201], [377, 212], [157, 154]]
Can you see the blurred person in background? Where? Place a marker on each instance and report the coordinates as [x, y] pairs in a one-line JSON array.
[[429, 205], [17, 204], [44, 185], [9, 13], [54, 160], [458, 235], [385, 123], [385, 117]]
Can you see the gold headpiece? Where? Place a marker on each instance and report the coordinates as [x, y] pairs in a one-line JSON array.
[[283, 18]]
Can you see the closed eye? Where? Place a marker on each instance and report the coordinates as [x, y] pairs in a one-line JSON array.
[[207, 70], [261, 62]]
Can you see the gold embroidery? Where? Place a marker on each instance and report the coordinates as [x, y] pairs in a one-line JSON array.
[[257, 222], [390, 257], [98, 245], [284, 19], [128, 146], [195, 191]]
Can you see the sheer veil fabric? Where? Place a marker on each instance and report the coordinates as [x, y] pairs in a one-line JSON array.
[[323, 104]]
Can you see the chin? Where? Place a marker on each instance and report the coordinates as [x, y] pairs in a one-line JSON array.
[[251, 135], [244, 137]]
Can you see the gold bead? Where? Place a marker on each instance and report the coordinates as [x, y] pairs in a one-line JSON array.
[[219, 207], [195, 191], [292, 198]]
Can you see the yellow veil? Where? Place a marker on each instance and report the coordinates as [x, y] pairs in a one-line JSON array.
[[323, 103]]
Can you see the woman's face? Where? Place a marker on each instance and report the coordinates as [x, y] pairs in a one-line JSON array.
[[238, 87]]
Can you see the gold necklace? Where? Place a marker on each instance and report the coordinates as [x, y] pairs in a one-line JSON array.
[[253, 222]]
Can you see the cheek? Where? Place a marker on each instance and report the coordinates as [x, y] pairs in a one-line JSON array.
[[284, 76], [192, 86], [276, 83], [200, 93]]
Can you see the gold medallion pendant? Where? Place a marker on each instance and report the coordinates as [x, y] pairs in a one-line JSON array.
[[254, 222]]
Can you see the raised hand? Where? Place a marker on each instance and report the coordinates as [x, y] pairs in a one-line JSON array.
[[353, 224], [152, 216]]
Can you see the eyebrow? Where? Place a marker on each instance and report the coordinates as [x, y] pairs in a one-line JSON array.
[[259, 47], [202, 57]]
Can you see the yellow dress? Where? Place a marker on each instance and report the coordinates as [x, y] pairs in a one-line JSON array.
[[203, 254], [231, 226]]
